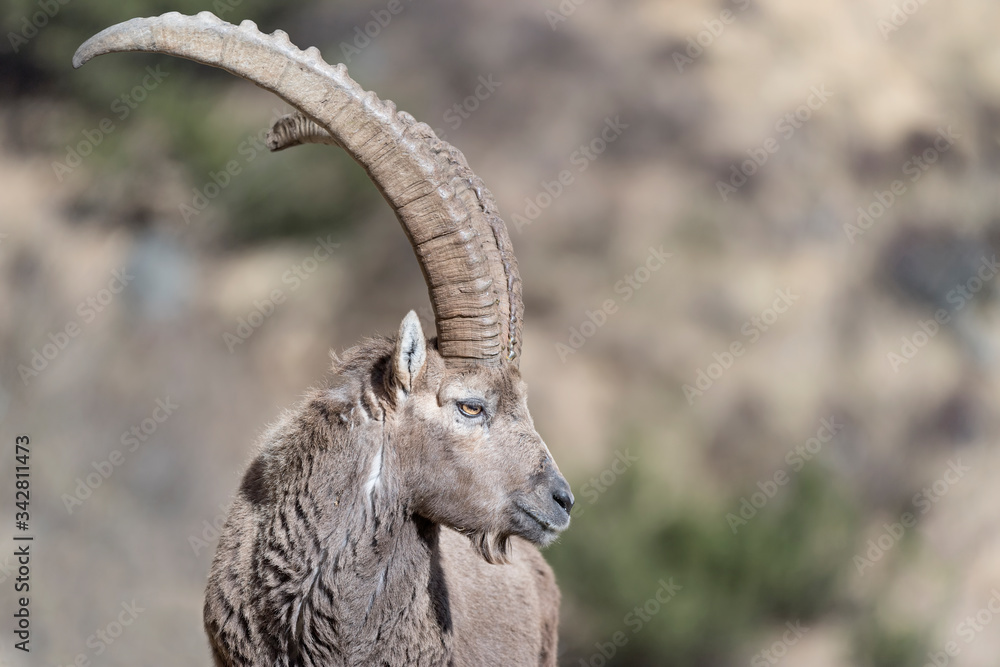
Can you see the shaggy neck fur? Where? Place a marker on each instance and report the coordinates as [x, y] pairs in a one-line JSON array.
[[343, 565]]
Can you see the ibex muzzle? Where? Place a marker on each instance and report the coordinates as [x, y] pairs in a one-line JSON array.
[[343, 546]]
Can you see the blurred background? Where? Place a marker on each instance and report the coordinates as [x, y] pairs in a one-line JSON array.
[[757, 239]]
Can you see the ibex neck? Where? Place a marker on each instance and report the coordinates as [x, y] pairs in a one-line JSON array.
[[377, 585]]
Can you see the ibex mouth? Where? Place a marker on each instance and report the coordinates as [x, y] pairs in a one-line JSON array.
[[549, 529]]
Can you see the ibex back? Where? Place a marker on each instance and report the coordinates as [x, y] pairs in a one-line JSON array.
[[392, 518]]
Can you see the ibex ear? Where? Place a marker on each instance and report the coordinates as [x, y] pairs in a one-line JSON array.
[[410, 354]]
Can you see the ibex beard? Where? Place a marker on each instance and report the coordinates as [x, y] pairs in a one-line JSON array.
[[349, 540]]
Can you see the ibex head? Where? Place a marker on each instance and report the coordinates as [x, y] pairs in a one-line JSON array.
[[455, 404], [478, 465]]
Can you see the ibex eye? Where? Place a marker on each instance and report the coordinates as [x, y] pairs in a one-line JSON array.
[[470, 409]]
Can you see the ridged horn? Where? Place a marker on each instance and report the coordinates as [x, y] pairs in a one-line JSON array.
[[296, 129], [448, 215]]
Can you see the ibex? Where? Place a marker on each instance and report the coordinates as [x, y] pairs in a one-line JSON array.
[[393, 517]]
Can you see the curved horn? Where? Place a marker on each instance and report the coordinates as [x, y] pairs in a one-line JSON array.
[[449, 216], [296, 129]]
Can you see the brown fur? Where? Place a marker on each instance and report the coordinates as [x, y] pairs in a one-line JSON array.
[[341, 548]]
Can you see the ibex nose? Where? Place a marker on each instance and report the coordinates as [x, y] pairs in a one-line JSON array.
[[562, 495]]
